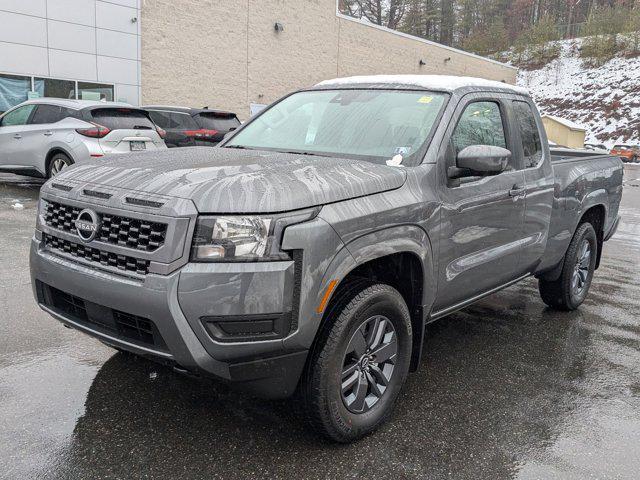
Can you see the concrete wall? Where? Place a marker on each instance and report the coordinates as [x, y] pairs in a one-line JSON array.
[[562, 134], [228, 55]]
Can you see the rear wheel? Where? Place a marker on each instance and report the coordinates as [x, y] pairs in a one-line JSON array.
[[571, 288], [57, 163], [360, 363]]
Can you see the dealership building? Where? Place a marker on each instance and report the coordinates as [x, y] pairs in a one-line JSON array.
[[234, 55]]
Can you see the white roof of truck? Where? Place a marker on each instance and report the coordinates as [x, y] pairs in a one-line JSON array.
[[447, 83]]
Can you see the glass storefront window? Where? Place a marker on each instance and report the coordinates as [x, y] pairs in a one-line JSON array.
[[14, 89], [50, 87], [95, 91]]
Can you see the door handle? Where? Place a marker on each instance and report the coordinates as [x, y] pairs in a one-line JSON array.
[[517, 191], [17, 136], [48, 133]]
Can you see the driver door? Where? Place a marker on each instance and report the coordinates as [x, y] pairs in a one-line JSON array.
[[482, 217], [13, 130]]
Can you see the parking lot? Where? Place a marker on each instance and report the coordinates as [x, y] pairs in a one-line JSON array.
[[507, 389]]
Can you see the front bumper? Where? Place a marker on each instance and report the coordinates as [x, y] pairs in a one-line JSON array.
[[192, 310]]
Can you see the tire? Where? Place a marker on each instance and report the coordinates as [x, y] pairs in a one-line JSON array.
[[346, 349], [58, 162], [571, 288]]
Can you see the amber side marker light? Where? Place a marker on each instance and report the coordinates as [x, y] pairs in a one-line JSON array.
[[327, 294]]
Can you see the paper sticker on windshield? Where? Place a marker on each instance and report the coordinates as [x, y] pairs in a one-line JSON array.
[[425, 99], [402, 151], [396, 161]]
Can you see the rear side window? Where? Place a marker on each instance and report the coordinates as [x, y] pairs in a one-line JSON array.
[[212, 121], [531, 144], [184, 121], [49, 114], [17, 117], [161, 119], [122, 119], [479, 124]]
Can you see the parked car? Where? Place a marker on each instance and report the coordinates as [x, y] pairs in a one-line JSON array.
[[310, 249], [41, 137], [596, 147], [628, 153], [188, 127]]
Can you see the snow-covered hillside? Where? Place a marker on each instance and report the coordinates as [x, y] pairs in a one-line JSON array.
[[605, 100]]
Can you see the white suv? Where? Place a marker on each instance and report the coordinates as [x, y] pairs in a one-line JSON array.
[[41, 137]]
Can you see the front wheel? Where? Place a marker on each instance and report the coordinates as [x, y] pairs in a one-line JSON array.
[[57, 163], [359, 364], [571, 288]]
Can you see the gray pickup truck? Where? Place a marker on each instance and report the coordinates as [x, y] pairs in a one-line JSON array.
[[308, 252]]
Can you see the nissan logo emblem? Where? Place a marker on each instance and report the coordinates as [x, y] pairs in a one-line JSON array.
[[87, 224]]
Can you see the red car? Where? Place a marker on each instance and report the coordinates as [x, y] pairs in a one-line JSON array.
[[628, 153]]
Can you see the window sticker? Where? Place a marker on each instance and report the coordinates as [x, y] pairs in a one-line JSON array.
[[425, 99], [402, 151], [396, 161]]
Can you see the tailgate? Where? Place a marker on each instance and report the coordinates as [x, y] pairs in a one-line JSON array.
[[130, 130]]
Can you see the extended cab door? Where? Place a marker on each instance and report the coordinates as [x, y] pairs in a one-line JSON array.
[[482, 215], [532, 148]]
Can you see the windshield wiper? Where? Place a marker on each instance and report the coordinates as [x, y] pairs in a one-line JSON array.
[[239, 147], [142, 127], [305, 153]]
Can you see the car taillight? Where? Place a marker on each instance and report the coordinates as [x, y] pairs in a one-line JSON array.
[[202, 133], [209, 133], [97, 131], [161, 132]]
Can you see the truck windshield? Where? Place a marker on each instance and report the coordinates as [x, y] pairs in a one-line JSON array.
[[373, 125]]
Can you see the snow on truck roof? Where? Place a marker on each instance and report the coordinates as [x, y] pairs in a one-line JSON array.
[[447, 83]]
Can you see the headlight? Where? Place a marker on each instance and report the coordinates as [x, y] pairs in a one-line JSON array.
[[242, 238]]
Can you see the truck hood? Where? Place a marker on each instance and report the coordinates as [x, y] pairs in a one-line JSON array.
[[225, 180]]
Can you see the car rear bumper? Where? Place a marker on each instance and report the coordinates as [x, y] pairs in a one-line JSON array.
[[236, 337]]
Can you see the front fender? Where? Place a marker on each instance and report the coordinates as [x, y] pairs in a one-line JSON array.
[[399, 239]]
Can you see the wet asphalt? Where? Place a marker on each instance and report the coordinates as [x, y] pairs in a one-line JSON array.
[[507, 389]]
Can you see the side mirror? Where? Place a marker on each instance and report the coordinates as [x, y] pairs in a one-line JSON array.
[[480, 159]]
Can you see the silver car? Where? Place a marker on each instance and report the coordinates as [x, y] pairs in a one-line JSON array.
[[41, 137]]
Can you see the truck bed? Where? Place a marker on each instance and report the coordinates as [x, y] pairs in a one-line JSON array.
[[580, 174]]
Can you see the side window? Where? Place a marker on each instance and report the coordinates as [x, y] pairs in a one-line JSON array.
[[17, 117], [531, 144], [161, 119], [46, 114], [479, 124]]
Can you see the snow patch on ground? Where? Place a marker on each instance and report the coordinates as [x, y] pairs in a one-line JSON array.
[[605, 100]]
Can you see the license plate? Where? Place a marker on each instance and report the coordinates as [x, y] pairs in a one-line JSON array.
[[137, 146]]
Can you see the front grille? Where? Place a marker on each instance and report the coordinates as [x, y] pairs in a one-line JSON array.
[[114, 322], [69, 304], [134, 327], [93, 255], [114, 229], [60, 216], [132, 233]]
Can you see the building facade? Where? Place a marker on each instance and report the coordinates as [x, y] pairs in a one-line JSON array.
[[564, 132], [69, 49], [234, 55], [231, 55]]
